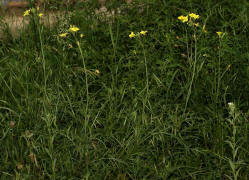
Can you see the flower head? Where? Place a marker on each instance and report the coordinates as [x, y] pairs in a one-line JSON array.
[[132, 35], [81, 35], [143, 32], [40, 14], [26, 13], [219, 33], [231, 107], [74, 28], [63, 35], [194, 16], [183, 18]]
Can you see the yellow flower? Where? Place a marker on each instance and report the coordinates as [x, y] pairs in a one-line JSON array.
[[63, 35], [196, 24], [40, 14], [132, 35], [143, 32], [70, 46], [194, 16], [183, 18], [97, 71], [219, 33], [26, 13], [74, 28], [81, 35]]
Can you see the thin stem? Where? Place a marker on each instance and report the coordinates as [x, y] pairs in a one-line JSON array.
[[193, 75], [146, 69], [217, 97], [86, 79], [219, 74], [43, 63], [147, 79]]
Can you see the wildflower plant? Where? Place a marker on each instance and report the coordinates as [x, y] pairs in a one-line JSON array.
[[139, 38], [233, 142], [191, 19], [148, 89]]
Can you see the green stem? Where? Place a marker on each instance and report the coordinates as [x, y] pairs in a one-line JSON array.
[[146, 70], [147, 79], [43, 63], [86, 79], [193, 75]]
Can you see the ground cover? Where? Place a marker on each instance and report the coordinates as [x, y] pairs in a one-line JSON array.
[[156, 90]]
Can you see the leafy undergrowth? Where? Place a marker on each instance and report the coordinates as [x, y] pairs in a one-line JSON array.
[[155, 92]]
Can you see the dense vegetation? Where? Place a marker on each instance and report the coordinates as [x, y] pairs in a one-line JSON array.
[[97, 103]]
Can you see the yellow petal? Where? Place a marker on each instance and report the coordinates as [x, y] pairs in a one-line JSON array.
[[219, 33], [183, 18], [143, 32], [63, 35], [132, 35], [74, 28], [195, 16], [26, 13]]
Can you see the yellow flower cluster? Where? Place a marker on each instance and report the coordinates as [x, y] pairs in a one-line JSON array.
[[194, 16], [71, 29], [189, 17], [33, 10], [27, 12], [133, 35], [183, 18]]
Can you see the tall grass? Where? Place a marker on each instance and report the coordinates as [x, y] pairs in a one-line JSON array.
[[171, 104]]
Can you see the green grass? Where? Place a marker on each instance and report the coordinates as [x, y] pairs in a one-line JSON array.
[[159, 113]]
